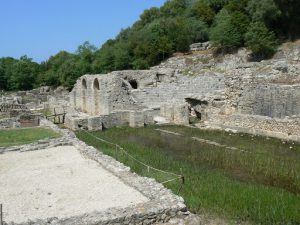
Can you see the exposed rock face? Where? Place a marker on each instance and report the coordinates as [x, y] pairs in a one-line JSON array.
[[200, 87]]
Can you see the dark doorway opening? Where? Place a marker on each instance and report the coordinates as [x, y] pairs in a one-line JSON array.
[[133, 84]]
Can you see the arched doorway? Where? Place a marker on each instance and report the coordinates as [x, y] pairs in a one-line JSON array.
[[84, 89], [133, 84], [96, 88]]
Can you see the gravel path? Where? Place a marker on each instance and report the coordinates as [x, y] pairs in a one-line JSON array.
[[58, 182]]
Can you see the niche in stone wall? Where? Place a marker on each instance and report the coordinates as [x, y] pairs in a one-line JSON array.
[[84, 85], [84, 88], [197, 109], [133, 84], [96, 87]]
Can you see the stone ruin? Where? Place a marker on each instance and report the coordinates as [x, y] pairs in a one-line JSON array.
[[16, 110], [200, 88], [137, 98], [17, 115], [21, 108]]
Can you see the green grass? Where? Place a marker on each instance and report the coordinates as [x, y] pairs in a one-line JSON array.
[[13, 137], [44, 112], [230, 184]]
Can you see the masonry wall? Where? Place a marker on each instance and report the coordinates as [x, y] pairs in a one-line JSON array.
[[272, 100], [177, 91], [101, 95], [266, 126]]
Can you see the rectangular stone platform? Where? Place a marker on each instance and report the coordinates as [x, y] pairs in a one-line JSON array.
[[59, 182]]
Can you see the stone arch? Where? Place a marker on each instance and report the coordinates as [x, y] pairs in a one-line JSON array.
[[84, 85], [96, 84], [84, 90], [96, 88]]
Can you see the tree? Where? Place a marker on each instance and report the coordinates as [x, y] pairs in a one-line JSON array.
[[264, 11], [69, 72], [22, 74], [122, 56], [216, 5], [149, 15], [202, 11], [104, 58], [228, 31], [236, 6], [51, 74], [290, 18], [173, 8], [260, 40], [5, 65]]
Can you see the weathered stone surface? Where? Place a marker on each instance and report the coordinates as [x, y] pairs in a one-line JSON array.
[[199, 87]]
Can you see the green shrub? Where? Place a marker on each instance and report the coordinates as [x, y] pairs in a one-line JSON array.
[[260, 40]]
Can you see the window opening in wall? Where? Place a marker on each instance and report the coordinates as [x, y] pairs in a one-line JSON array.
[[197, 110], [84, 84], [96, 85], [133, 84]]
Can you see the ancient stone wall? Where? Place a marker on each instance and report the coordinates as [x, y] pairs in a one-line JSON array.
[[263, 125], [102, 94], [9, 123], [180, 89], [272, 100], [211, 89]]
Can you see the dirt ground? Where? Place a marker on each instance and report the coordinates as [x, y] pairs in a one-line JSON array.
[[58, 182]]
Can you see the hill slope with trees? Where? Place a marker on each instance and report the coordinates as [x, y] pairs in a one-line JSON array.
[[259, 25]]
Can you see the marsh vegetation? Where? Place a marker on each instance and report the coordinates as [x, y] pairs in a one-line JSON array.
[[237, 176]]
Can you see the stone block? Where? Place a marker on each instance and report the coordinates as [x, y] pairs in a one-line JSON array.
[[181, 114], [136, 119], [149, 115], [94, 123], [29, 120]]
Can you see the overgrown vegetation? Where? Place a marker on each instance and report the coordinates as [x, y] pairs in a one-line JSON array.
[[13, 137], [258, 182], [229, 24]]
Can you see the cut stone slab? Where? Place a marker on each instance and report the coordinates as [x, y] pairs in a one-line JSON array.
[[58, 182]]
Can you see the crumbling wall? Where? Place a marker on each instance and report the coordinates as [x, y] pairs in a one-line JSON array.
[[214, 89], [181, 88], [17, 115], [102, 94], [175, 113]]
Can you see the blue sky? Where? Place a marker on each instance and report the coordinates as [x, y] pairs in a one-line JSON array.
[[41, 28]]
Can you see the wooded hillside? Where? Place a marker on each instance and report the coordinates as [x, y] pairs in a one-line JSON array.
[[259, 25]]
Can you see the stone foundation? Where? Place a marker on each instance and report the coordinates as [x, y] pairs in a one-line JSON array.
[[161, 207], [288, 129], [114, 119]]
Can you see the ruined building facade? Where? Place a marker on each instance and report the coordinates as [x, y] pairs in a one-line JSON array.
[[260, 98]]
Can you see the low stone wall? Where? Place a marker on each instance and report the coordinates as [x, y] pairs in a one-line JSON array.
[[114, 119], [9, 123], [6, 107], [288, 129], [161, 207], [175, 113]]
